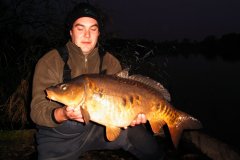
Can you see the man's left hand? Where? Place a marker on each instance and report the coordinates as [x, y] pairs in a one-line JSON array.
[[141, 118]]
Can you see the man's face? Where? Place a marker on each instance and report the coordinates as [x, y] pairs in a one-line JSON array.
[[84, 34]]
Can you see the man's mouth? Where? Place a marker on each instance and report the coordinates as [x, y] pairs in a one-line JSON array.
[[86, 42]]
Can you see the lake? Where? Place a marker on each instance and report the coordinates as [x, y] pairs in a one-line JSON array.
[[210, 91]]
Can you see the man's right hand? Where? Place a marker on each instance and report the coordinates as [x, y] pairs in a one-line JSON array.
[[68, 113]]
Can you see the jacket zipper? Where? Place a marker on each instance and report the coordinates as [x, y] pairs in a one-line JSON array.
[[85, 63]]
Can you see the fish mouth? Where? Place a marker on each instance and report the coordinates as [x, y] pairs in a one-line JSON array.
[[50, 95], [51, 98]]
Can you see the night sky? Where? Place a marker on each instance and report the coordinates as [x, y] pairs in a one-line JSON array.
[[152, 20], [173, 19]]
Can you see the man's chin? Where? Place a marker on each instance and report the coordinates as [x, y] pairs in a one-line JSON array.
[[87, 51]]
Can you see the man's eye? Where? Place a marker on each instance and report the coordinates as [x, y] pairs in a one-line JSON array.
[[80, 29], [94, 29]]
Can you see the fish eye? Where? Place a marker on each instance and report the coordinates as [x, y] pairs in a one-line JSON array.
[[64, 87]]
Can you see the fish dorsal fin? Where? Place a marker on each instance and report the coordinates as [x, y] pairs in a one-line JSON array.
[[112, 132], [123, 73], [156, 125], [152, 83], [147, 81], [85, 114]]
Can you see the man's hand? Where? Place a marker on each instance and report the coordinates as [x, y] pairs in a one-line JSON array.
[[141, 118], [68, 113], [74, 113]]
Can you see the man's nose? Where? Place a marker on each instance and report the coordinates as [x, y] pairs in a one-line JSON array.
[[87, 33]]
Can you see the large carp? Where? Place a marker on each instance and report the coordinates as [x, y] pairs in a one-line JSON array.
[[115, 101]]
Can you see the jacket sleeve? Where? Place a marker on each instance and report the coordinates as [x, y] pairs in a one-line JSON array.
[[46, 74], [112, 64]]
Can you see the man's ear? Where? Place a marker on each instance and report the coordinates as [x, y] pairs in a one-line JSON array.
[[70, 32]]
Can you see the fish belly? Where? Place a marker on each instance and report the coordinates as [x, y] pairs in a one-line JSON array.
[[109, 110]]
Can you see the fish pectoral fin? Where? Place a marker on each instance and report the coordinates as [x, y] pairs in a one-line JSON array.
[[156, 125], [85, 115], [112, 132]]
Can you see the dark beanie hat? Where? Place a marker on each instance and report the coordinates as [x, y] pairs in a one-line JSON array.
[[84, 10]]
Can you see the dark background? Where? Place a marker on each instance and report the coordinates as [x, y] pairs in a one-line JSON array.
[[170, 20], [192, 47]]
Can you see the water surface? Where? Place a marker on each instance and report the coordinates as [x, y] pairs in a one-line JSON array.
[[209, 90]]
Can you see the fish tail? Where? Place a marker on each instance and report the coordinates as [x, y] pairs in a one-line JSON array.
[[182, 122]]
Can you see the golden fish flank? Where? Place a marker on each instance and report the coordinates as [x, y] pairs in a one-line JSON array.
[[115, 101]]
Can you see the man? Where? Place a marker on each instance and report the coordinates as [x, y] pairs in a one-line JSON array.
[[61, 131]]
